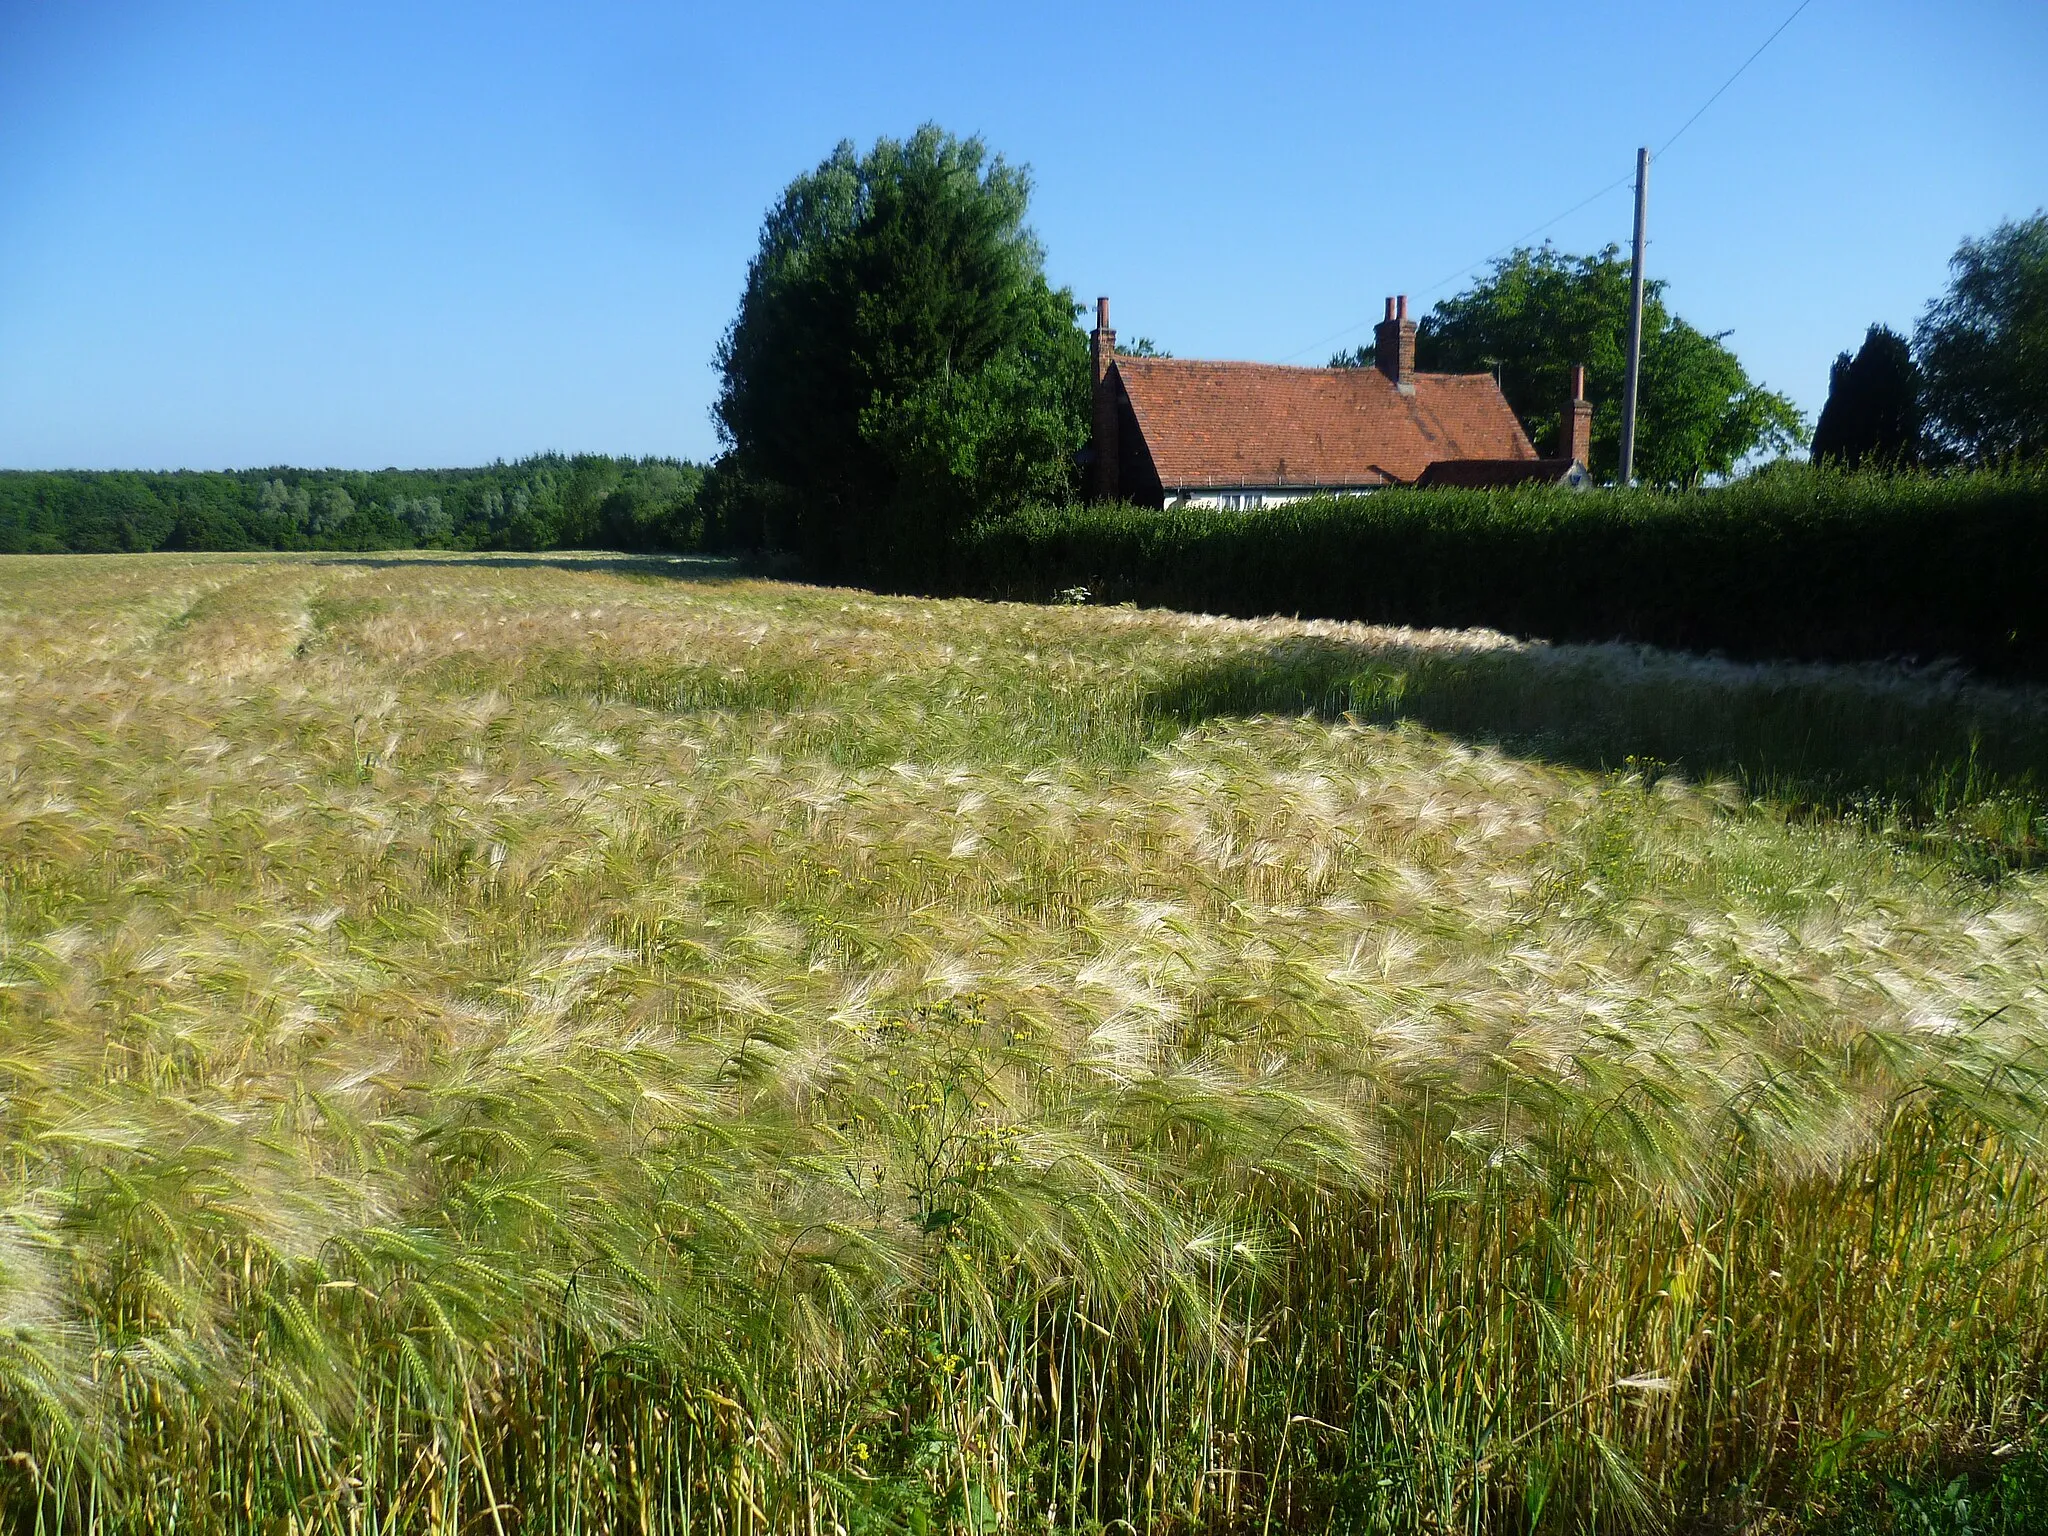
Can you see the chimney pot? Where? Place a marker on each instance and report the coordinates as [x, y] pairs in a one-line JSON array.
[[1394, 345], [1575, 431], [1102, 357]]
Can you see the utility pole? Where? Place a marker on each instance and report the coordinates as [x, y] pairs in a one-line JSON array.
[[1635, 323]]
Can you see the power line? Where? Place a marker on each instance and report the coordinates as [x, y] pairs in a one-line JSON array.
[[1802, 5], [1583, 202], [1451, 277]]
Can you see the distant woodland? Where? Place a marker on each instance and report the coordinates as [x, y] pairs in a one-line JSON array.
[[547, 502]]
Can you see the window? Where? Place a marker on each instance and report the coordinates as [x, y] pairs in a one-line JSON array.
[[1242, 501]]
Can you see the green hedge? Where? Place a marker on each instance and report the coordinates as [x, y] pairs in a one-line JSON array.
[[1791, 563]]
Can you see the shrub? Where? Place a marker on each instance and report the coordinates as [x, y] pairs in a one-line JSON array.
[[1797, 562]]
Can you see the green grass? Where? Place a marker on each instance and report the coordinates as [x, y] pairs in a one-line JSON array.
[[1930, 760], [556, 1044]]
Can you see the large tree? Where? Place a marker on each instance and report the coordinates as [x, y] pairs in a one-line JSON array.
[[1540, 311], [899, 363], [1984, 346], [1873, 414]]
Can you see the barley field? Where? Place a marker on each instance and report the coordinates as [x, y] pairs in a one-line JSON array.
[[554, 1044]]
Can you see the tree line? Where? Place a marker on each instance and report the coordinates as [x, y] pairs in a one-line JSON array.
[[550, 501]]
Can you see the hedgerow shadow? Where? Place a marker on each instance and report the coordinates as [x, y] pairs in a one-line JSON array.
[[1929, 757], [685, 568]]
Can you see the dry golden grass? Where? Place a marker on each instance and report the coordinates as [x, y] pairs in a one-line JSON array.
[[546, 1043]]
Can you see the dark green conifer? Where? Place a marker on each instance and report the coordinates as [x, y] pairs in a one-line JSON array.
[[1874, 414]]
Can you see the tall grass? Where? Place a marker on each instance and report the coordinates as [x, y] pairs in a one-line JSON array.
[[1928, 758], [546, 1046]]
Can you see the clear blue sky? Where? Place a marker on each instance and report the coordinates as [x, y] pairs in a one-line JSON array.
[[414, 234]]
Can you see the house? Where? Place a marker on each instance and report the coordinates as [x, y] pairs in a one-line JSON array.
[[1172, 431]]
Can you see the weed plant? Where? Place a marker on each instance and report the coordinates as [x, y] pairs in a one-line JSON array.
[[560, 1045]]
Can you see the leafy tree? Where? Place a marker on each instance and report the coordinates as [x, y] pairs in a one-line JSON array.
[[290, 505], [590, 481], [1984, 346], [1873, 414], [1541, 311], [333, 511], [899, 364], [527, 516], [730, 509], [653, 506], [430, 523]]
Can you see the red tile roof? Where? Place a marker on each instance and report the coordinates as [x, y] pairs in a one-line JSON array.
[[1258, 424]]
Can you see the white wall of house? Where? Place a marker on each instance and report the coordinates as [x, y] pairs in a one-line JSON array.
[[1248, 498]]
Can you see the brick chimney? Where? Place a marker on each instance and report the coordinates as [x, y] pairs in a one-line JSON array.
[[1575, 431], [1102, 476], [1394, 345]]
